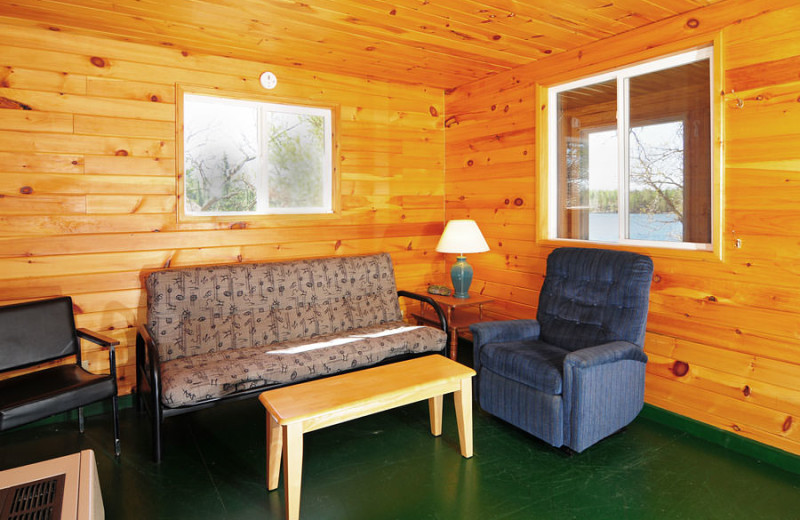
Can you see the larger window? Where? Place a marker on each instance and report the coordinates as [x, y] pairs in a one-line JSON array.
[[632, 151], [243, 157]]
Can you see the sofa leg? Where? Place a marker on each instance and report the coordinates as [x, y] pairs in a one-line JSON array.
[[115, 409], [156, 416], [80, 419]]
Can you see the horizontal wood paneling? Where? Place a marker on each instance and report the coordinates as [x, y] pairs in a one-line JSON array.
[[88, 176], [723, 334], [444, 43]]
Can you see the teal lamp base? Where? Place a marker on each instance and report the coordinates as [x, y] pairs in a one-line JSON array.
[[461, 275]]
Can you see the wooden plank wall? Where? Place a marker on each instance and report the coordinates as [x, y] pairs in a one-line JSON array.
[[88, 178], [723, 331]]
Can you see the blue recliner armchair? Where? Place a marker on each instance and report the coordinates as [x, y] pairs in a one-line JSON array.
[[575, 375]]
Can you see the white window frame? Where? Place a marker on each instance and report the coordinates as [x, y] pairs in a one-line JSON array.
[[622, 77], [263, 208]]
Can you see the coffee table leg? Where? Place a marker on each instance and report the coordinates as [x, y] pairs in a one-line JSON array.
[[435, 412], [463, 402], [274, 448], [292, 468]]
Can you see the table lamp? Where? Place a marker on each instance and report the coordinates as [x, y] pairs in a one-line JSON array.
[[461, 236]]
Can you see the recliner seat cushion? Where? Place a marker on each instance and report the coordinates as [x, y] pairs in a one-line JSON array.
[[531, 363], [193, 379]]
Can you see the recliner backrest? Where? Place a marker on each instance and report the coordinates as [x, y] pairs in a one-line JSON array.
[[35, 332], [594, 296]]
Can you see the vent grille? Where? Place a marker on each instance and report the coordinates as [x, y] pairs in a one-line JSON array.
[[37, 500]]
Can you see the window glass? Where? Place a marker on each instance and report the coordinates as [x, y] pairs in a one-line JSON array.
[[249, 157], [655, 185]]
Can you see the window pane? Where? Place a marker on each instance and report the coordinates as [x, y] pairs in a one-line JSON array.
[[655, 204], [220, 155], [587, 162], [670, 155], [295, 145]]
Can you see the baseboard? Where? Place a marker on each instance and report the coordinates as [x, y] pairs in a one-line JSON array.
[[731, 441]]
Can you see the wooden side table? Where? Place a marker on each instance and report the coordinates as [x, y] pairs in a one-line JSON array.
[[456, 322]]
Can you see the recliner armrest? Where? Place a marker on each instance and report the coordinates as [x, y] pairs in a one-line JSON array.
[[501, 331], [604, 354]]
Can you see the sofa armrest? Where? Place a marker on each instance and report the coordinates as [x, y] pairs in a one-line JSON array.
[[147, 356], [604, 354], [439, 312]]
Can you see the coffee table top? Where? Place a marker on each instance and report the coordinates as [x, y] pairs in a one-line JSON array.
[[372, 388]]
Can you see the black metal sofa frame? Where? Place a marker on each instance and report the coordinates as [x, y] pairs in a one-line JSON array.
[[149, 374]]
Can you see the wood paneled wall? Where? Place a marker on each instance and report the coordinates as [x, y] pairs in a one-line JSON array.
[[88, 178], [723, 329]]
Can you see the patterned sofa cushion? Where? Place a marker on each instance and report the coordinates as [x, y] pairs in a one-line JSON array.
[[203, 310], [191, 379]]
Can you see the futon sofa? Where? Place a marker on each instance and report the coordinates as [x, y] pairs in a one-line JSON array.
[[223, 332]]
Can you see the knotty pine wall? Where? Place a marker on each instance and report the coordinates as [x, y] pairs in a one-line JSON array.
[[723, 330], [88, 175]]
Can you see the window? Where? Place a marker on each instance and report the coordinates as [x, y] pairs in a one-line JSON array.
[[244, 157], [653, 186]]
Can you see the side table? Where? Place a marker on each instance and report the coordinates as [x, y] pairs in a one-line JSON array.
[[456, 322]]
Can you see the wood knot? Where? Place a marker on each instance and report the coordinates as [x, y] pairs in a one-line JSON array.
[[518, 201], [680, 368], [393, 12], [154, 98], [56, 29], [712, 298], [369, 48], [496, 37], [507, 202], [238, 225], [26, 190], [121, 153], [656, 278], [787, 424], [547, 51], [506, 108], [746, 391], [98, 62], [692, 23], [184, 53], [433, 111], [450, 121], [494, 107], [470, 162]]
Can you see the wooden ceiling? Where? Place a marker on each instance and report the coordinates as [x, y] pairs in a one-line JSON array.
[[437, 43]]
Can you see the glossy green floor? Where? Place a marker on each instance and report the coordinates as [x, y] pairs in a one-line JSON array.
[[389, 467]]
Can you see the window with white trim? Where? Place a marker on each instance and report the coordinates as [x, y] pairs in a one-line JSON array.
[[654, 185], [245, 157]]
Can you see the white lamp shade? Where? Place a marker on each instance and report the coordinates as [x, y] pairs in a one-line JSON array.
[[462, 236]]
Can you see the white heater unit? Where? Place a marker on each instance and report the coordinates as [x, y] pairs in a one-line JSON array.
[[66, 488]]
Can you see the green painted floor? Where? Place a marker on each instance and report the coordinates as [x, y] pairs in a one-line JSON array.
[[388, 466]]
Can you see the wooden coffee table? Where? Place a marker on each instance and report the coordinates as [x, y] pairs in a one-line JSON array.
[[297, 409]]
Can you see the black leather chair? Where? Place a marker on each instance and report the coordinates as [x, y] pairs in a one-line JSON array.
[[44, 331]]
